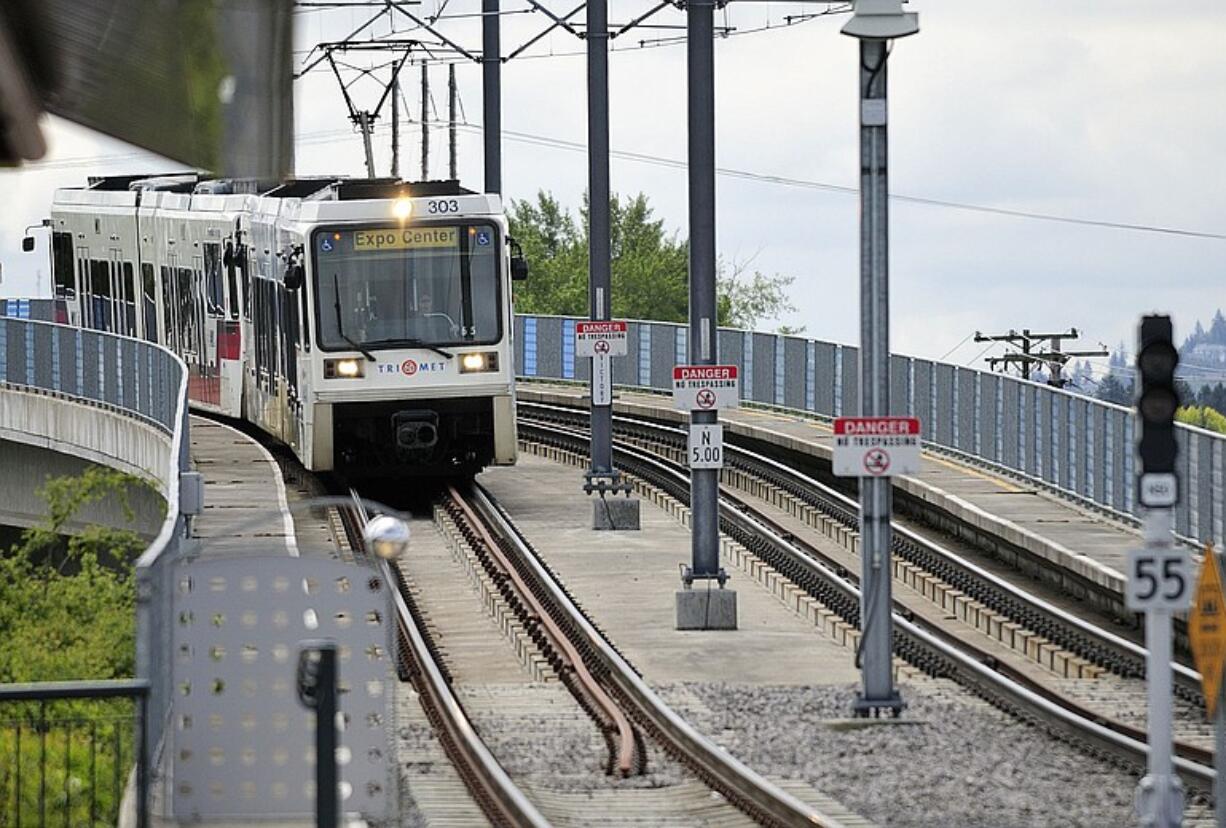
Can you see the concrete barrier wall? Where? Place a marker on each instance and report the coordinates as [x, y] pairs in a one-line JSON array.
[[1082, 448]]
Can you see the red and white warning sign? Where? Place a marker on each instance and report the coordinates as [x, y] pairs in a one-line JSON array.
[[705, 387], [876, 446], [605, 338]]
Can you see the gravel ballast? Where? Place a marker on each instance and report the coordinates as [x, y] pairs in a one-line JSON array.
[[957, 761]]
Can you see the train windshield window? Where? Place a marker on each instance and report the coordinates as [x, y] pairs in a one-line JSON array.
[[435, 285]]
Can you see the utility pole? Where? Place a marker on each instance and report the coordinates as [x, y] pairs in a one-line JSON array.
[[1054, 357], [707, 608], [491, 94], [396, 124], [425, 122], [365, 125], [875, 23], [602, 478], [452, 172]]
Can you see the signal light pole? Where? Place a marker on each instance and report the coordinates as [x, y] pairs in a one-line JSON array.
[[875, 23], [1159, 574]]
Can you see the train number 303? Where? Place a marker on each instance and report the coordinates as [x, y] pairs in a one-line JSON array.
[[442, 206]]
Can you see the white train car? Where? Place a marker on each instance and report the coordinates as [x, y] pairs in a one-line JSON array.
[[366, 324]]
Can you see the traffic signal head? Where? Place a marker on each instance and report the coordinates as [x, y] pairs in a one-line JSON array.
[[1157, 396]]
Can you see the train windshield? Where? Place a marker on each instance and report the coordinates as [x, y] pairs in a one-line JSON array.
[[393, 287]]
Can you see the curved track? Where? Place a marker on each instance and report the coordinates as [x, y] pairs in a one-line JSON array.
[[932, 648]]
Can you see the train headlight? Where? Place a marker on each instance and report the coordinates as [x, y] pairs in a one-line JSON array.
[[479, 362], [402, 208], [343, 369]]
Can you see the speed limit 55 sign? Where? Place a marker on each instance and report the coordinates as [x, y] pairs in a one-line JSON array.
[[1159, 579]]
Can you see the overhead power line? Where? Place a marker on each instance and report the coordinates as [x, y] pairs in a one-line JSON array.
[[765, 178]]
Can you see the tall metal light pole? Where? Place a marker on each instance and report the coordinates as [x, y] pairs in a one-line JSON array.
[[875, 23], [491, 93]]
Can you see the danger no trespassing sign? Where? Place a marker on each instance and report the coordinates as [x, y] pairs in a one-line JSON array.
[[876, 446]]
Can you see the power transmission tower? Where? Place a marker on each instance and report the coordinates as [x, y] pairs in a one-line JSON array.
[[1031, 353]]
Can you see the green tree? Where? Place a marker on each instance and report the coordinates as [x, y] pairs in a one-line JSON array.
[[1113, 391], [67, 608], [649, 267]]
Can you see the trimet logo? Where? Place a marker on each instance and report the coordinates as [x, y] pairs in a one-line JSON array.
[[408, 367]]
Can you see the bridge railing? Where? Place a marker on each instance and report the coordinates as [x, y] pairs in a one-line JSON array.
[[1075, 445], [147, 383]]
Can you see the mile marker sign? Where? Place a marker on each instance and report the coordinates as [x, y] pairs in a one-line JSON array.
[[600, 339], [705, 387], [876, 446]]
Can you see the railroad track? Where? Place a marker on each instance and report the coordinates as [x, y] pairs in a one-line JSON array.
[[494, 791], [627, 711], [653, 452]]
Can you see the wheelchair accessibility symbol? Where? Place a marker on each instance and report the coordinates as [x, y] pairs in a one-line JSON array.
[[326, 245], [483, 237]]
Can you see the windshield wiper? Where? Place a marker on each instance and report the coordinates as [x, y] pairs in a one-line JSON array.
[[340, 327], [414, 342]]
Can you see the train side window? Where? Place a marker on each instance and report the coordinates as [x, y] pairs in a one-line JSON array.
[[289, 338], [215, 299], [100, 293], [186, 312], [61, 263], [129, 295], [305, 318], [244, 276], [231, 282], [168, 309], [149, 301]]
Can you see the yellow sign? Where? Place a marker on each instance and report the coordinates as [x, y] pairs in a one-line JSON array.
[[405, 238], [1207, 629]]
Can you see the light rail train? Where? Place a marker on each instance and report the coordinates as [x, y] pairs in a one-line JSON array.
[[365, 323]]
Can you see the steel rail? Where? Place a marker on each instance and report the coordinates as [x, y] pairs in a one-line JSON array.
[[925, 648], [762, 798], [613, 714], [497, 794], [1123, 656]]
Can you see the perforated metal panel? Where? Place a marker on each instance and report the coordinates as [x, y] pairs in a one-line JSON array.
[[243, 744]]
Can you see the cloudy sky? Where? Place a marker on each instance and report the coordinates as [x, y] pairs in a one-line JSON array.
[[1093, 111]]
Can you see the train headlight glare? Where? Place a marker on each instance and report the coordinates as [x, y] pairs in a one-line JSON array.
[[402, 208], [343, 368], [479, 362]]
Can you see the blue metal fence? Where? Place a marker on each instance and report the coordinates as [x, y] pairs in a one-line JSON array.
[[1078, 446]]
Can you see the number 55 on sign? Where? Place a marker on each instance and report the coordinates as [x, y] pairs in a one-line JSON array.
[[1159, 579]]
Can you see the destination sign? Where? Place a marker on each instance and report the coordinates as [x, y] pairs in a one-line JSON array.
[[407, 238]]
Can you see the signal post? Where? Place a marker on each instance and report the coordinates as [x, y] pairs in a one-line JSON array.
[[1159, 573]]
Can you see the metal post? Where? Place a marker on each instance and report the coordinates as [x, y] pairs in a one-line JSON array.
[[700, 71], [1219, 757], [1160, 793], [395, 122], [142, 763], [599, 278], [325, 738], [365, 125], [452, 172], [491, 94], [876, 642], [425, 123]]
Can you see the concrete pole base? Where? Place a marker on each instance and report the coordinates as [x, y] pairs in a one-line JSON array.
[[706, 609], [617, 514]]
